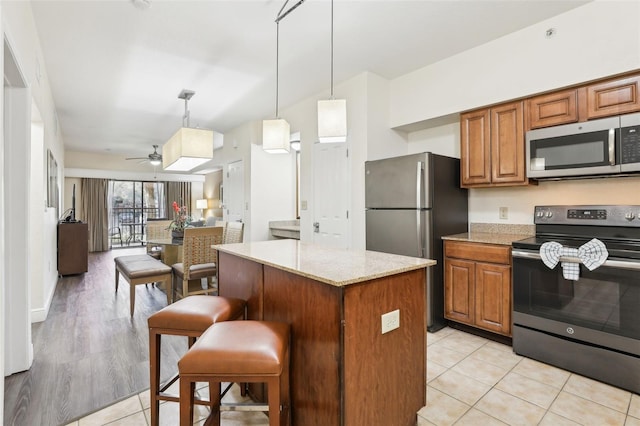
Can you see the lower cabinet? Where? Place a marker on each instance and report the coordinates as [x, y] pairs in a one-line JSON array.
[[477, 282]]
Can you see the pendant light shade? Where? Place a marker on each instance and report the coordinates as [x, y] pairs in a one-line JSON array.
[[332, 113], [332, 120], [276, 136], [188, 147]]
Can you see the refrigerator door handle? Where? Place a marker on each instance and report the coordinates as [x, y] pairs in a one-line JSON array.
[[419, 171]]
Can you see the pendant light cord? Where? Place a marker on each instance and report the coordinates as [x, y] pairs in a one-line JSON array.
[[186, 113], [277, 60], [331, 97]]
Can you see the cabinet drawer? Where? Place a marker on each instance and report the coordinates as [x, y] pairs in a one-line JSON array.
[[613, 97], [553, 109], [478, 251]]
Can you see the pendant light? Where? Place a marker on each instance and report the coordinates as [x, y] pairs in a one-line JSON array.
[[332, 113], [188, 147], [276, 132]]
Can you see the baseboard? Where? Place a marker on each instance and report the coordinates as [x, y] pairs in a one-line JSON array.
[[40, 314]]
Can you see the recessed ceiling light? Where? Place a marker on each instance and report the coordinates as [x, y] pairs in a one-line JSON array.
[[142, 4]]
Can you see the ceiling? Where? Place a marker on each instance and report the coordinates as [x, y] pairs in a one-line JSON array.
[[116, 70]]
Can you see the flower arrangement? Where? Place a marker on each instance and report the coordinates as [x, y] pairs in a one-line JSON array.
[[181, 219]]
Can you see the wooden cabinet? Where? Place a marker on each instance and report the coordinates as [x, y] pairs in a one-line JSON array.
[[492, 146], [612, 97], [73, 248], [553, 109], [477, 284]]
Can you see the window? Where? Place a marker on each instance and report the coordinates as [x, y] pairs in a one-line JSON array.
[[131, 203]]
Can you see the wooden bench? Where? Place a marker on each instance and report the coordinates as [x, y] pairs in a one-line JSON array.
[[142, 269]]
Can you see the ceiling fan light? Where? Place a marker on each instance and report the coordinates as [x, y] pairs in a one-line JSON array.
[[155, 162], [187, 149], [276, 136], [332, 120]]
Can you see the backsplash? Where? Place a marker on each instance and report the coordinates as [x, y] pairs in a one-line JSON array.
[[503, 228], [485, 203]]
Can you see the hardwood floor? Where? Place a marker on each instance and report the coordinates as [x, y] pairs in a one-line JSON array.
[[89, 352]]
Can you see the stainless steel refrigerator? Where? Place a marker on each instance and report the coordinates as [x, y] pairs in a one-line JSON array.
[[411, 202]]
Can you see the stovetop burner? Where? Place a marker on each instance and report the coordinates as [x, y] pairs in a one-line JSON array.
[[618, 227]]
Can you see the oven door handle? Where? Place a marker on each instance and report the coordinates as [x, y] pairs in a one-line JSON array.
[[620, 264]]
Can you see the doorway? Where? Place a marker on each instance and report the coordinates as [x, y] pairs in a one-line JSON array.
[[233, 202], [15, 168], [331, 194]]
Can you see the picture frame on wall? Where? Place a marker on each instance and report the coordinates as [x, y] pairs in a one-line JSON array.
[[53, 192]]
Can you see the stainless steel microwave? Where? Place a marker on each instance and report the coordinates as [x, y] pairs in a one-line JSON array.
[[608, 146]]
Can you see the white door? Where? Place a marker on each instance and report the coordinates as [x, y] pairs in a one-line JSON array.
[[331, 194], [234, 192]]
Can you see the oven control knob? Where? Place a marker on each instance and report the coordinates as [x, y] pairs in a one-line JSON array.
[[539, 214], [629, 216], [548, 214]]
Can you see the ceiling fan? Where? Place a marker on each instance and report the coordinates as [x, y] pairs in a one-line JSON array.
[[154, 158]]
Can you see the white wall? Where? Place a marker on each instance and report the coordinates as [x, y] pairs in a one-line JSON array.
[[593, 41], [272, 197], [598, 39], [19, 33], [485, 202]]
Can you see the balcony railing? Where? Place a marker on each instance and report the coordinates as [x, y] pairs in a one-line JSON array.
[[127, 224]]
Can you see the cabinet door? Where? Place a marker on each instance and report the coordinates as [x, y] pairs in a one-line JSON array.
[[475, 148], [507, 143], [553, 109], [459, 290], [493, 297], [613, 97]]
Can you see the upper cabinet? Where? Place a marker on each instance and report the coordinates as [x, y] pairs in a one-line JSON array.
[[492, 146], [612, 97], [553, 109], [492, 140]]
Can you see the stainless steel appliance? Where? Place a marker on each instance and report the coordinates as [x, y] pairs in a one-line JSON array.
[[411, 202], [590, 325], [609, 146]]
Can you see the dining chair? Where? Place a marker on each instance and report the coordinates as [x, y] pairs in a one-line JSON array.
[[222, 223], [115, 234], [234, 232], [199, 260], [157, 230]]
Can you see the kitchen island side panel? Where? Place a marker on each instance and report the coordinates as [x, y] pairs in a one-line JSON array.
[[385, 374], [241, 278], [314, 311]]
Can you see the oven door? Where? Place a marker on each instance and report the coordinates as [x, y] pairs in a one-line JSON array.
[[602, 307]]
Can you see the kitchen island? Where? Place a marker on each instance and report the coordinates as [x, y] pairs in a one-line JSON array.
[[344, 370]]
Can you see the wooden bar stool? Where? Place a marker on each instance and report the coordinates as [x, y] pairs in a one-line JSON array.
[[240, 352], [189, 317]]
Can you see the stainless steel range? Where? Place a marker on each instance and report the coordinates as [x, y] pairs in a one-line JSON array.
[[589, 325]]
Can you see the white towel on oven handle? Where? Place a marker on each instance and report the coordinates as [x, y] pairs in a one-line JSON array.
[[592, 254]]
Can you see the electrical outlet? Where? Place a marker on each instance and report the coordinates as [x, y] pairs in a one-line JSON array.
[[390, 321], [504, 212], [303, 204]]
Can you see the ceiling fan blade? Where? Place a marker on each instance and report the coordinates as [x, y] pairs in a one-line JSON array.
[[136, 158]]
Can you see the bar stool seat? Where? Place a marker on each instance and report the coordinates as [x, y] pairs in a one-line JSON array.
[[240, 352], [190, 317]]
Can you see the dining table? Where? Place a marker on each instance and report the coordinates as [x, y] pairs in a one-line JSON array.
[[171, 249]]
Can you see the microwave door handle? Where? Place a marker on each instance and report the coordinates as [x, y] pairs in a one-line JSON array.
[[612, 147]]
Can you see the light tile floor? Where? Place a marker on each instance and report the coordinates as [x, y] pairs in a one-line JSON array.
[[470, 381]]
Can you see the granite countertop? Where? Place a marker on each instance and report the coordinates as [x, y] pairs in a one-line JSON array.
[[494, 233], [486, 237], [337, 267]]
